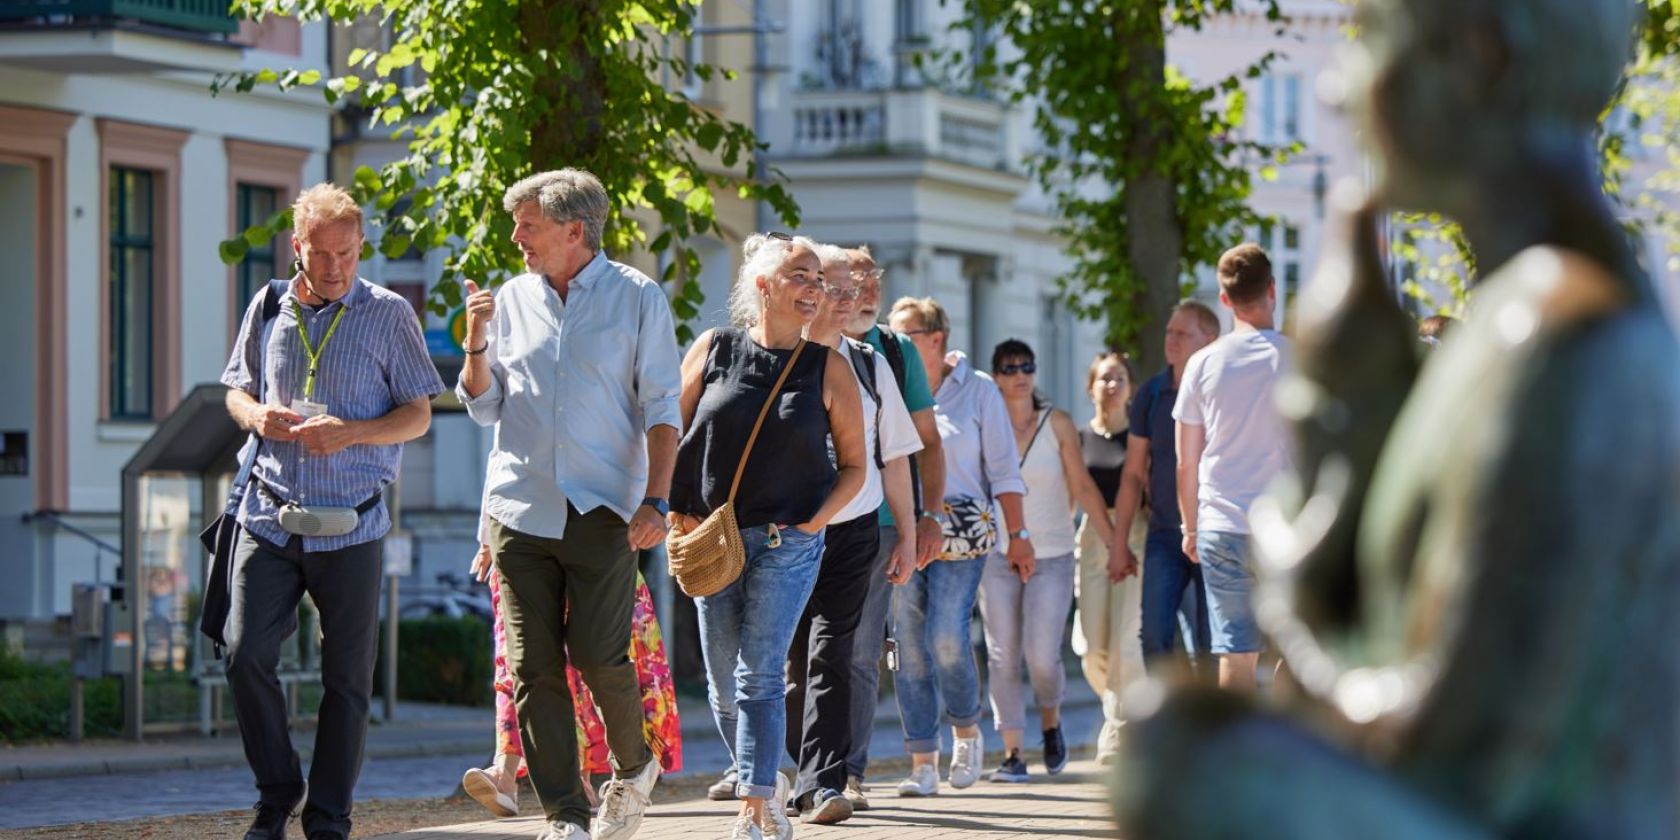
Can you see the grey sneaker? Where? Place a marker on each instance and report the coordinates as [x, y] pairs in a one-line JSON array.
[[723, 790], [854, 792], [828, 807], [623, 803], [923, 781], [1013, 769], [775, 823], [965, 760]]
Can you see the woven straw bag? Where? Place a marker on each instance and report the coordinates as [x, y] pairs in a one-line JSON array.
[[709, 558]]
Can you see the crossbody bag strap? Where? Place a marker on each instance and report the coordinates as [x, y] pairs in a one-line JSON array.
[[269, 310], [741, 468], [1034, 439]]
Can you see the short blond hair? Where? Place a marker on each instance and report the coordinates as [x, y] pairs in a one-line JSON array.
[[926, 310], [323, 203]]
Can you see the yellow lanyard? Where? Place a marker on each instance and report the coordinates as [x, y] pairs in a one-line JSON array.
[[314, 353]]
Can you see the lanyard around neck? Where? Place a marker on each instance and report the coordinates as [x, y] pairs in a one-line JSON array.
[[314, 353]]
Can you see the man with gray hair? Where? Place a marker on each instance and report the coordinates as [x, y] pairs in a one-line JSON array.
[[575, 363]]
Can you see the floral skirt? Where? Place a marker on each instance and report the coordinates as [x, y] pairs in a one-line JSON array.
[[659, 699]]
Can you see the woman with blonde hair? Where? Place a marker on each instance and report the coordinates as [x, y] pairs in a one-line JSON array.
[[788, 492]]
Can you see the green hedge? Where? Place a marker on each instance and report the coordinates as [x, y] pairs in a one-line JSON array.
[[35, 702], [441, 660]]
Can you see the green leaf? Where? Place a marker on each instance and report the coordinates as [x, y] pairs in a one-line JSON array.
[[355, 57], [231, 250], [309, 77], [257, 236]]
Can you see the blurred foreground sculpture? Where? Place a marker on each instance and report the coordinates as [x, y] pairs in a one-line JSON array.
[[1476, 584]]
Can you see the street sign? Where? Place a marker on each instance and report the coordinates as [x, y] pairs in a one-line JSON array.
[[399, 554]]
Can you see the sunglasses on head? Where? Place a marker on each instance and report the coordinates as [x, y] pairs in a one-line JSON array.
[[776, 234], [1023, 367]]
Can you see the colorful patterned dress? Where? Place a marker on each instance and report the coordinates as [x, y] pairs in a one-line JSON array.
[[659, 699]]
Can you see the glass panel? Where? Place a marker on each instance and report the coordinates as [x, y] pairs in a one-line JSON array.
[[134, 311], [1292, 107], [1291, 238], [137, 204]]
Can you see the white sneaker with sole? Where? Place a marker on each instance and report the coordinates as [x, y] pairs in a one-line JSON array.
[[923, 781], [745, 827], [965, 760], [775, 823], [562, 830], [623, 803], [481, 786]]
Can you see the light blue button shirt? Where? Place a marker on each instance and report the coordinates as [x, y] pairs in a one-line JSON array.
[[981, 458], [574, 387]]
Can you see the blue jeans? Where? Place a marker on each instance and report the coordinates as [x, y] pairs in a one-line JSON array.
[[866, 654], [1229, 579], [1168, 576], [745, 633], [931, 614]]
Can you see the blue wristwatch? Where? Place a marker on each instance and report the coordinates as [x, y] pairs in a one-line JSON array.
[[660, 505]]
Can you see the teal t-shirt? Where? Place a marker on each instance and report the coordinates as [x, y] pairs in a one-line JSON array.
[[917, 396]]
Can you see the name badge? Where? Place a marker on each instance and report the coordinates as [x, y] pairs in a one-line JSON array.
[[306, 409]]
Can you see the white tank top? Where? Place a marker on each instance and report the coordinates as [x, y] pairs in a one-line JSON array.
[[1049, 509]]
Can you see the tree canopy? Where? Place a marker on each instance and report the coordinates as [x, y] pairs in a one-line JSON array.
[[506, 89]]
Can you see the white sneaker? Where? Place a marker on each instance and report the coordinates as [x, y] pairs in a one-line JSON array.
[[775, 823], [965, 760], [854, 792], [623, 803], [923, 781], [745, 827], [481, 786], [562, 830]]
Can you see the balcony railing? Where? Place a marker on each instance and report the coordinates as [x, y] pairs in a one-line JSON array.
[[827, 123], [201, 16]]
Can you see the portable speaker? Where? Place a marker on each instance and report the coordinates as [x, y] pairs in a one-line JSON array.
[[318, 522]]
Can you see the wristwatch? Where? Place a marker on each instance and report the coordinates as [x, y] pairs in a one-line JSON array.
[[660, 505], [1022, 534], [928, 514]]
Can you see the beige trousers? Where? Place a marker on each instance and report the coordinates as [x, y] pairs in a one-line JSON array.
[[1107, 631]]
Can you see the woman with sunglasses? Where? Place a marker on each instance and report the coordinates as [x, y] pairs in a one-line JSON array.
[[788, 492], [1026, 617]]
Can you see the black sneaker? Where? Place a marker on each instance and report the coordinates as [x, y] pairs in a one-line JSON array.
[[1055, 750], [1013, 769], [270, 823]]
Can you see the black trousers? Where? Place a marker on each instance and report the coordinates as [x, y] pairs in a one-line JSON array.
[[819, 669], [268, 582]]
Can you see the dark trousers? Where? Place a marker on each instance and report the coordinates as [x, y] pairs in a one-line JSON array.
[[571, 597], [268, 582], [819, 668], [1168, 576]]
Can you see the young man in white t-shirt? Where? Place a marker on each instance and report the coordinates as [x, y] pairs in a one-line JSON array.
[[1231, 444]]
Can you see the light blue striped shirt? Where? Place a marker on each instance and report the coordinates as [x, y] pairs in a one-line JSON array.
[[981, 458], [574, 387], [376, 361]]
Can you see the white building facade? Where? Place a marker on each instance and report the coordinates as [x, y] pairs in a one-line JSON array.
[[119, 176]]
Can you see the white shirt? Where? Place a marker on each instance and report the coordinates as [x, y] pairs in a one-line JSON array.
[[1227, 387], [896, 431], [981, 459], [574, 386]]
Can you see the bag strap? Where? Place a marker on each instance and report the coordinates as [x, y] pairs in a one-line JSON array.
[[269, 311], [863, 364], [1034, 439], [741, 468]]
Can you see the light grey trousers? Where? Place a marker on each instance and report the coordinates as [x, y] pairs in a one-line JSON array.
[[1025, 621]]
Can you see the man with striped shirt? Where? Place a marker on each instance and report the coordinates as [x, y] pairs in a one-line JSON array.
[[331, 382]]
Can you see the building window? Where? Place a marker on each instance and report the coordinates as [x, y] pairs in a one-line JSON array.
[[693, 54], [255, 205], [132, 211], [1280, 108], [1283, 244]]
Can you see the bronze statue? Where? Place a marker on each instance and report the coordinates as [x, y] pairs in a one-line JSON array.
[[1475, 584]]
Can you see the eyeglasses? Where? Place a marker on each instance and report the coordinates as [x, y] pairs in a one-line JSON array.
[[1028, 368], [914, 333], [869, 275], [776, 234], [837, 293]]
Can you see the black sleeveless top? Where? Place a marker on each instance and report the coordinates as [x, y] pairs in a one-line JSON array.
[[788, 474], [1104, 457]]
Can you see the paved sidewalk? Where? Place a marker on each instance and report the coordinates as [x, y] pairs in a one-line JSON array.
[[1075, 804]]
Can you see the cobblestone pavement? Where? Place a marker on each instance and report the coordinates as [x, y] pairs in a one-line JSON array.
[[1073, 804]]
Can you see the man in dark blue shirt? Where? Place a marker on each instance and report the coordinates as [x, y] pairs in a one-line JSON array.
[[1150, 474]]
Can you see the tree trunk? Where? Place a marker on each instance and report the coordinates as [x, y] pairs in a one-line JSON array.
[[572, 96], [1154, 237]]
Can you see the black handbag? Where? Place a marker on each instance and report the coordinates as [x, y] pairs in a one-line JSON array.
[[223, 534]]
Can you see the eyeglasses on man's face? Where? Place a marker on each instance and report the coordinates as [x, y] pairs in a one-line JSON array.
[[842, 294], [1028, 368]]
